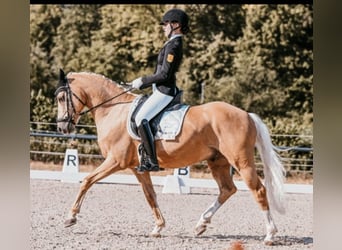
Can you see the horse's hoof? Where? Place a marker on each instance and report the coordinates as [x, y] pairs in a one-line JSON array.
[[269, 239], [156, 231], [268, 242], [200, 229], [155, 235], [70, 222]]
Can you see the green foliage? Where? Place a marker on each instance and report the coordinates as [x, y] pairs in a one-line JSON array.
[[210, 46], [256, 57], [74, 35], [43, 109], [44, 21], [273, 66]]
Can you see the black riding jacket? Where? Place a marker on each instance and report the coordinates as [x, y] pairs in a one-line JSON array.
[[168, 62]]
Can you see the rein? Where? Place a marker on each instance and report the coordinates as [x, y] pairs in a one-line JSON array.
[[70, 118], [100, 104]]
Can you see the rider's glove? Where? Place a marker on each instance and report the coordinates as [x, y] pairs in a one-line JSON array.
[[137, 83]]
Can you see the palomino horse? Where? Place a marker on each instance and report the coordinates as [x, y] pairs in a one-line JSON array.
[[222, 134]]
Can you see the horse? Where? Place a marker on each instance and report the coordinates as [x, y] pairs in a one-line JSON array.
[[223, 135]]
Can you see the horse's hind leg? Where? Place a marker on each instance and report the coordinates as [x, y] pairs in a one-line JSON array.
[[151, 197], [250, 177], [220, 171]]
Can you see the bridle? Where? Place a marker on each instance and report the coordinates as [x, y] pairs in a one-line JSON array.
[[70, 118]]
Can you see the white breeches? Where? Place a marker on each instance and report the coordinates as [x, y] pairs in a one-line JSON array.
[[153, 105]]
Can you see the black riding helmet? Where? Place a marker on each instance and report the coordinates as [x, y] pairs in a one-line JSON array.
[[179, 16]]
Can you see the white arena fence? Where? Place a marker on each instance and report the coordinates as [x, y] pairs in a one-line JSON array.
[[180, 182]]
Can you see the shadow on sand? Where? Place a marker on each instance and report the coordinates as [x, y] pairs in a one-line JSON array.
[[278, 241]]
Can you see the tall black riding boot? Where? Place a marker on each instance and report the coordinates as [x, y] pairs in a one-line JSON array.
[[150, 163]]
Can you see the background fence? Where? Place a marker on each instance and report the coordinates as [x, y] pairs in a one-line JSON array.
[[49, 147]]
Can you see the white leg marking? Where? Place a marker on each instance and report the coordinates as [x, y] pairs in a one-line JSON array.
[[206, 217], [271, 229], [156, 231]]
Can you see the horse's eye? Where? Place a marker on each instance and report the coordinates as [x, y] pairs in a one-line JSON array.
[[61, 99]]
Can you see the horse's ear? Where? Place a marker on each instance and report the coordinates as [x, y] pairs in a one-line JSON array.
[[62, 79]]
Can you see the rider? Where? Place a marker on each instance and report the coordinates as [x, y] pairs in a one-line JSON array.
[[175, 24]]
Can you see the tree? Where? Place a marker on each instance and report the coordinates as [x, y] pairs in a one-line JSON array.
[[209, 50], [273, 61], [126, 43], [44, 21], [74, 36]]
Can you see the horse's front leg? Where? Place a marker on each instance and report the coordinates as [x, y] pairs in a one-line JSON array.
[[151, 197], [108, 167]]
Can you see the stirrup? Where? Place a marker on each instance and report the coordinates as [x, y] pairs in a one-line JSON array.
[[148, 167]]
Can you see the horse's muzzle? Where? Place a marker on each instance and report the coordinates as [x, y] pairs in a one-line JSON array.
[[65, 127]]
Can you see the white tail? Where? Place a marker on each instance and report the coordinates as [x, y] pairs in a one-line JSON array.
[[274, 170]]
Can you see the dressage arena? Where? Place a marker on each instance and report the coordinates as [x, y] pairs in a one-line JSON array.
[[117, 216]]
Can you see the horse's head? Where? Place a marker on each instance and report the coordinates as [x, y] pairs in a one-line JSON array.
[[68, 108]]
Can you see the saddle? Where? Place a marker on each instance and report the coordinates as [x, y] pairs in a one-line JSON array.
[[166, 124]]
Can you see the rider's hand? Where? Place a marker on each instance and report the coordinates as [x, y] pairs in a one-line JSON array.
[[137, 83]]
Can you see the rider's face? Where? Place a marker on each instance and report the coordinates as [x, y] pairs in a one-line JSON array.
[[171, 28], [167, 28]]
